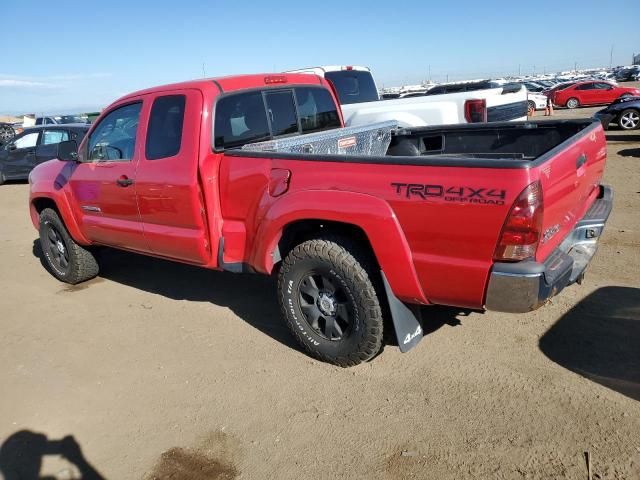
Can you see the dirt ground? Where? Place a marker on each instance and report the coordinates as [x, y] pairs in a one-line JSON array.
[[160, 370]]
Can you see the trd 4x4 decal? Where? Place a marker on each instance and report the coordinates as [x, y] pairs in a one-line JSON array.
[[419, 191]]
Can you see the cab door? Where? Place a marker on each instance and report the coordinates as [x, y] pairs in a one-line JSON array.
[[103, 182], [20, 154], [167, 183]]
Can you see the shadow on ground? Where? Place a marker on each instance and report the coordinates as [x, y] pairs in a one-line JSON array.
[[252, 297], [630, 152], [620, 137], [599, 338], [22, 454]]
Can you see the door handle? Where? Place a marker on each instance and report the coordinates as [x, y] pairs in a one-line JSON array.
[[124, 181], [582, 159]]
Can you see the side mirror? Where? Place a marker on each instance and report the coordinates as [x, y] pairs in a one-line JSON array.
[[68, 151]]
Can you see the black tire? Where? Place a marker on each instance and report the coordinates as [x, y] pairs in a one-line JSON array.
[[7, 132], [573, 103], [327, 293], [65, 259], [3, 179], [629, 119], [531, 107]]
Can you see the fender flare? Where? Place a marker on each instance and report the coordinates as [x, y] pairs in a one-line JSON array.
[[63, 208], [371, 214]]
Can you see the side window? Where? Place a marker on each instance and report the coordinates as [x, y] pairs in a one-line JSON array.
[[114, 138], [282, 112], [603, 86], [585, 86], [164, 134], [39, 121], [316, 109], [240, 118], [27, 141], [54, 136]]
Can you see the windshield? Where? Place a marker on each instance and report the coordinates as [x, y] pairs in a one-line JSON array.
[[353, 86]]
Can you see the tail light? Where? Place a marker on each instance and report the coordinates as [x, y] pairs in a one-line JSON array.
[[522, 229], [475, 111]]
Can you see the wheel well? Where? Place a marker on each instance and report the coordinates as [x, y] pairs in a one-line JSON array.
[[39, 204], [297, 232]]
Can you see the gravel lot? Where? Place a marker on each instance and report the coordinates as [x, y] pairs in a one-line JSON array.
[[160, 370]]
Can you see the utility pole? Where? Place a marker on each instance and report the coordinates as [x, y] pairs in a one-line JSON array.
[[611, 57], [518, 69], [575, 67]]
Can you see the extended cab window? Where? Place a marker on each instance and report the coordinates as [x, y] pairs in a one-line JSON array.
[[114, 138], [164, 134], [316, 109], [240, 119]]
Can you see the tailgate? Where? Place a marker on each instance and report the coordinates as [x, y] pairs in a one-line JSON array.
[[570, 174], [507, 103]]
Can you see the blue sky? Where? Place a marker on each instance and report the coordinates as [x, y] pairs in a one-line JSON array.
[[81, 55]]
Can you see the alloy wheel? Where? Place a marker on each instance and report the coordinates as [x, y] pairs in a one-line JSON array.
[[326, 306], [59, 254], [630, 120]]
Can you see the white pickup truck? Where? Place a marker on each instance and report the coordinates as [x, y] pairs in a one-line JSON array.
[[361, 103]]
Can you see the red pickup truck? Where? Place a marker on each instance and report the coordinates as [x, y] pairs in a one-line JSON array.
[[499, 216]]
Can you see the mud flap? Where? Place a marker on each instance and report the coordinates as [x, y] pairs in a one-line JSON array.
[[405, 322]]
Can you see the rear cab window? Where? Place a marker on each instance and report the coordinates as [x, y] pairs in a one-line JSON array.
[[249, 117], [353, 86]]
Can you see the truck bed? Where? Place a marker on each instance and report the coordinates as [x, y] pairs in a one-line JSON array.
[[500, 144]]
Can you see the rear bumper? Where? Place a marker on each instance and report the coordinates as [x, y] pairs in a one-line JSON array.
[[526, 286], [605, 118]]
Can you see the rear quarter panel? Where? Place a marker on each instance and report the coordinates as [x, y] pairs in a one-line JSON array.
[[450, 237]]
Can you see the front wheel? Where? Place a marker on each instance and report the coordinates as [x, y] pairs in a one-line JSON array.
[[65, 259], [328, 298], [573, 103], [629, 119]]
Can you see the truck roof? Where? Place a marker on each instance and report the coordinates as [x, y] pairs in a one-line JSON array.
[[234, 82]]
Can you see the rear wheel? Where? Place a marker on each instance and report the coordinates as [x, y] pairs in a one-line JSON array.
[[629, 119], [67, 261], [329, 301], [573, 103]]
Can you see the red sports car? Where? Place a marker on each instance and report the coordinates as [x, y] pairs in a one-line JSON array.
[[591, 92]]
